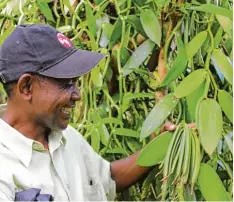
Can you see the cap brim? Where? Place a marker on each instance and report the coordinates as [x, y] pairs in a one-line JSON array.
[[78, 63]]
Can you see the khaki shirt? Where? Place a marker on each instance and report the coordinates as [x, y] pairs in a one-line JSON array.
[[70, 170]]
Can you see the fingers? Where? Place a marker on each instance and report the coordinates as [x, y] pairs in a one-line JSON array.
[[169, 126]]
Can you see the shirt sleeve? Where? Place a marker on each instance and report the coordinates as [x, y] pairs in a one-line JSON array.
[[98, 166], [3, 196]]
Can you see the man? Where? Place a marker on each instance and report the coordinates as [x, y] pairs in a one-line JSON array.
[[39, 68]]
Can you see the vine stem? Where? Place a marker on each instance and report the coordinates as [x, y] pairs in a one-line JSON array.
[[171, 37]]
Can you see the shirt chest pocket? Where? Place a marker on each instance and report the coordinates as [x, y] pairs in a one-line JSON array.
[[94, 191]]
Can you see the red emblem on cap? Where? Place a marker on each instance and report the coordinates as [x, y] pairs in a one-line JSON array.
[[64, 40]]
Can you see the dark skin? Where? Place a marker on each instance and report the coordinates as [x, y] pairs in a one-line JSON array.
[[38, 106]]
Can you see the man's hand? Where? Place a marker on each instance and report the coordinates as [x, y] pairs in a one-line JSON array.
[[169, 126], [125, 171]]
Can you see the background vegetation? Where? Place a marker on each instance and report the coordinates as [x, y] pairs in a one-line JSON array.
[[168, 60]]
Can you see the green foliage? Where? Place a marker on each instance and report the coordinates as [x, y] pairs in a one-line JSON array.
[[123, 103]]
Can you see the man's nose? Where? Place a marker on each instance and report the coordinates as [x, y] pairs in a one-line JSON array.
[[75, 95]]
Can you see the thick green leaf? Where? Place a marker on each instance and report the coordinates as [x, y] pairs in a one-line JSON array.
[[218, 37], [95, 140], [129, 96], [111, 120], [210, 123], [65, 28], [127, 132], [117, 150], [90, 19], [96, 76], [226, 103], [102, 130], [136, 23], [178, 66], [151, 26], [210, 185], [211, 8], [138, 57], [193, 98], [195, 44], [226, 24], [45, 10], [190, 83], [155, 151], [224, 64], [116, 33], [158, 115], [107, 29]]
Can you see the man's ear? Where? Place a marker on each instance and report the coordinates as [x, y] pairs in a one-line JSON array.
[[25, 86]]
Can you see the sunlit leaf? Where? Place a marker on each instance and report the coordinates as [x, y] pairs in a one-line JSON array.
[[155, 151], [210, 123], [45, 10], [190, 83], [178, 66], [138, 57], [211, 8], [226, 103], [210, 185], [91, 19], [226, 24], [158, 115], [193, 98], [195, 44], [151, 26], [95, 140], [65, 28], [127, 132], [224, 64]]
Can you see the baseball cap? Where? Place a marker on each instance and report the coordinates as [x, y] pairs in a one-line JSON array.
[[41, 49]]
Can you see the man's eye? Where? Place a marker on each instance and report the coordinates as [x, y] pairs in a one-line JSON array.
[[66, 86]]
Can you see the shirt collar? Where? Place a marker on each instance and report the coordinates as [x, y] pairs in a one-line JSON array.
[[22, 146]]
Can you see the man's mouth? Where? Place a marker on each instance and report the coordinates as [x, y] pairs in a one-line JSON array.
[[66, 110]]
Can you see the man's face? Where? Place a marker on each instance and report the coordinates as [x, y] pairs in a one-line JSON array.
[[53, 100]]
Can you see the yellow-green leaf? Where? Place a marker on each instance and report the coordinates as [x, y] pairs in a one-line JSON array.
[[151, 26], [116, 33], [195, 44], [226, 103], [226, 24], [224, 64], [127, 132], [96, 76], [95, 140], [45, 10], [90, 19], [210, 123], [211, 8], [155, 151], [210, 185], [138, 57], [193, 98], [190, 83], [158, 115]]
